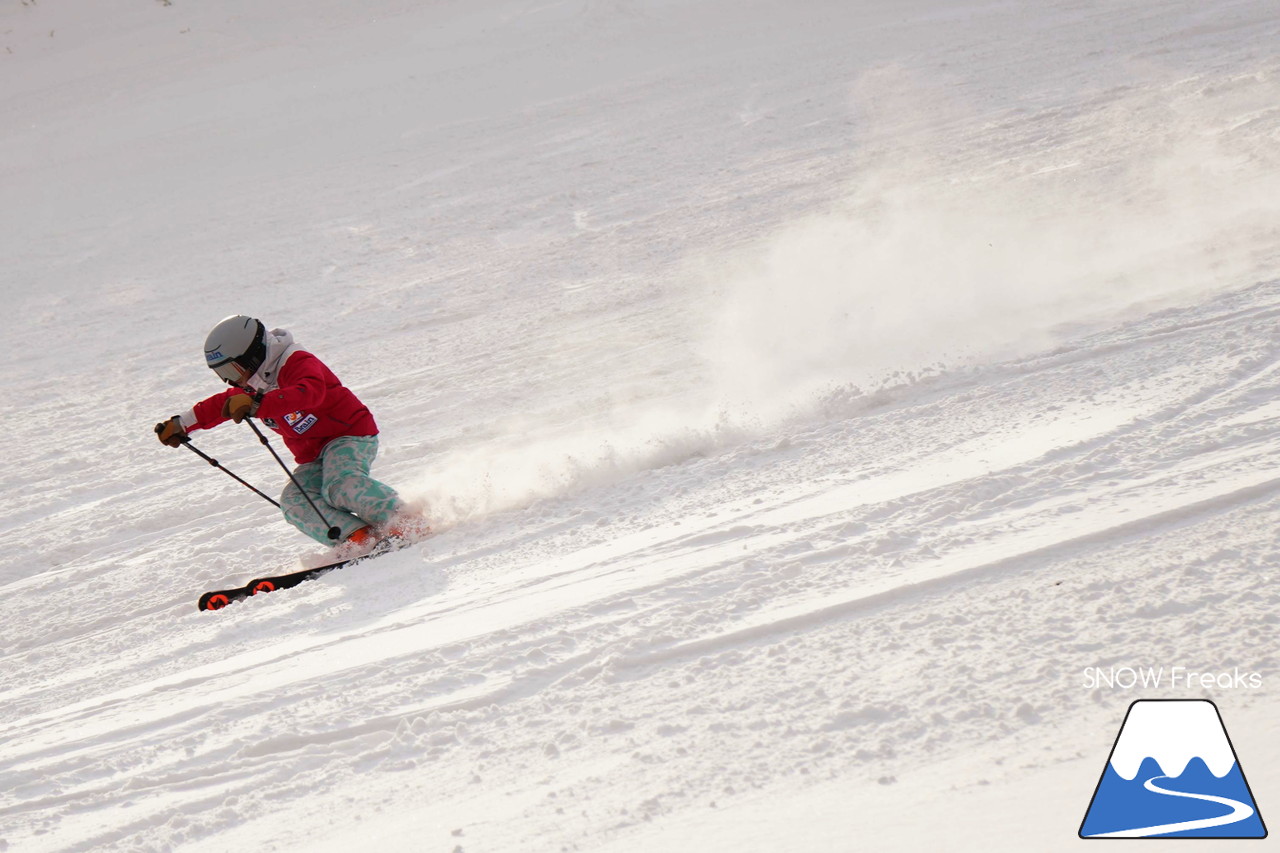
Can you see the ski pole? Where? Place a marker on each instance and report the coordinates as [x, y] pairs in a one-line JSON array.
[[186, 442], [334, 532]]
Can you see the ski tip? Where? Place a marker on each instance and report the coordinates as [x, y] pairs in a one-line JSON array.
[[213, 601]]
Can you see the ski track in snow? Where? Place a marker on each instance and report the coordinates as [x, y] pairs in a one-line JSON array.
[[681, 562], [735, 622]]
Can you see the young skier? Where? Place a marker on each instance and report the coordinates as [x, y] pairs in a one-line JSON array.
[[331, 434]]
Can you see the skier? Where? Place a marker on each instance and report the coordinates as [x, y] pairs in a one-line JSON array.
[[331, 434]]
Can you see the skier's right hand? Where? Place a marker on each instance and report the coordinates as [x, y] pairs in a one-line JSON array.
[[171, 432]]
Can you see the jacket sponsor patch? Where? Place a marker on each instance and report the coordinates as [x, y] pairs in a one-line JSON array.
[[300, 422]]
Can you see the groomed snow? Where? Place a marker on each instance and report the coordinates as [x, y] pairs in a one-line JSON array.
[[808, 397]]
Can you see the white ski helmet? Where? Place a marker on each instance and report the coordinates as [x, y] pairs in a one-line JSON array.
[[235, 348]]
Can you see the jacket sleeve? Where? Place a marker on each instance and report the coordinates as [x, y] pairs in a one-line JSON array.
[[301, 388], [208, 412]]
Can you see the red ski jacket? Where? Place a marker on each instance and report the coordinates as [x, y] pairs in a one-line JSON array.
[[309, 408]]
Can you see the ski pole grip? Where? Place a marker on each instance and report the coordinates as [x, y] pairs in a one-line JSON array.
[[184, 438]]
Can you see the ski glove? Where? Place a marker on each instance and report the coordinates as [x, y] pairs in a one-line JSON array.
[[239, 406], [171, 432]]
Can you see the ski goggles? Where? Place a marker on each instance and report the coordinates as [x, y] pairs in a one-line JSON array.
[[230, 372]]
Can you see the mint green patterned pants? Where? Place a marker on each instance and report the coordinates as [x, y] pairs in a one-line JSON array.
[[342, 489]]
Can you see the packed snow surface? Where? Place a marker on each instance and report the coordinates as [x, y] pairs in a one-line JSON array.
[[824, 409]]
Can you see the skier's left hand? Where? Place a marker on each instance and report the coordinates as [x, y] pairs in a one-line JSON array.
[[239, 406]]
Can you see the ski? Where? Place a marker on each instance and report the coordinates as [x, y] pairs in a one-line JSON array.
[[220, 598]]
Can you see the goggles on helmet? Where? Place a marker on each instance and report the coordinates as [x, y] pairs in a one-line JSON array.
[[231, 372]]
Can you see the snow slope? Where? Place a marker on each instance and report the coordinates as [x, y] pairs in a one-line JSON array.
[[805, 396]]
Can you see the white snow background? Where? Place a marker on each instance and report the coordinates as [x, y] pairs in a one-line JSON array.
[[804, 393]]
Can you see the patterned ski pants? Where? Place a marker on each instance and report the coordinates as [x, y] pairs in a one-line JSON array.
[[342, 489]]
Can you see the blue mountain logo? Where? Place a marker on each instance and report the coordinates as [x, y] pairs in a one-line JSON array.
[[1173, 773]]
